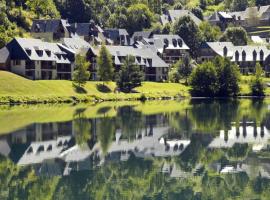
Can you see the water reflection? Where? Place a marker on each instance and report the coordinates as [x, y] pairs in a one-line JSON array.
[[152, 145]]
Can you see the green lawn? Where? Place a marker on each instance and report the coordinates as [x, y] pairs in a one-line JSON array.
[[14, 88]]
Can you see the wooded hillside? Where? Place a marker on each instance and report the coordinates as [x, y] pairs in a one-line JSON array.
[[16, 15]]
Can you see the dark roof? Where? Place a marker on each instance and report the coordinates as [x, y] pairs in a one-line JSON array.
[[142, 34], [48, 25], [4, 55], [114, 33]]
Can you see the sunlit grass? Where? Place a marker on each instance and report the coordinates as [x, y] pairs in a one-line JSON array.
[[14, 88]]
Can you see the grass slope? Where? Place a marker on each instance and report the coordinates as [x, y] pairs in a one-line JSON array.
[[14, 88]]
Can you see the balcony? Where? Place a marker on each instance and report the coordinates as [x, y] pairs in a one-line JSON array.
[[47, 65]]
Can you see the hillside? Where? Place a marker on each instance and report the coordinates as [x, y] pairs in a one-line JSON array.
[[14, 88], [16, 16]]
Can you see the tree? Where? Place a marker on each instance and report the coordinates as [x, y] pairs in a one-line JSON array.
[[197, 12], [236, 35], [204, 80], [209, 33], [130, 75], [228, 77], [239, 5], [43, 8], [257, 87], [139, 17], [189, 32], [184, 68], [105, 65], [81, 73]]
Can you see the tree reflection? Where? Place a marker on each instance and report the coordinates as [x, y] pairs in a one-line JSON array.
[[105, 132], [82, 127]]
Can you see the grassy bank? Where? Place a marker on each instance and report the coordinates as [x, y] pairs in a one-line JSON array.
[[16, 89]]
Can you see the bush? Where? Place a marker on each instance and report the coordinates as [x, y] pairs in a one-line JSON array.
[[256, 86], [204, 80], [218, 78]]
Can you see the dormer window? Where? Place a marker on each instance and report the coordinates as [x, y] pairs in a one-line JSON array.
[[254, 55], [28, 51], [58, 56], [261, 55], [174, 41], [244, 56], [39, 53], [139, 59], [166, 42], [48, 52], [180, 42], [37, 28], [236, 56], [149, 62], [225, 51]]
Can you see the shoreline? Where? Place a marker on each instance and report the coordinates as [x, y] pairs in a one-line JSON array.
[[35, 100]]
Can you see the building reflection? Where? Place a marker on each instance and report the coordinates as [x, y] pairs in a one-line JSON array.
[[51, 148]]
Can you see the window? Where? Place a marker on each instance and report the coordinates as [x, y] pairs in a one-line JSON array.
[[225, 51], [28, 51], [39, 53], [261, 55], [49, 53], [254, 55], [236, 56], [17, 62], [180, 42], [244, 56]]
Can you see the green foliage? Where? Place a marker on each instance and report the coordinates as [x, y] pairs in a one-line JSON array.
[[82, 127], [189, 32], [209, 33], [44, 8], [228, 76], [218, 78], [239, 5], [204, 80], [105, 65], [256, 86], [130, 75], [139, 17], [181, 70], [238, 151], [81, 73], [236, 35]]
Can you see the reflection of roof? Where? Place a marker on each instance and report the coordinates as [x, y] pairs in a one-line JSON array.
[[37, 152], [244, 137]]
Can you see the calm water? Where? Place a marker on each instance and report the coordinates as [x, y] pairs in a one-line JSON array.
[[197, 149]]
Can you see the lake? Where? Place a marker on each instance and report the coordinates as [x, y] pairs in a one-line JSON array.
[[190, 149]]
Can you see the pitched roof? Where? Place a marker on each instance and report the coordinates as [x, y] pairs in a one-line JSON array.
[[76, 44], [176, 14], [248, 50], [158, 43], [142, 34], [123, 51], [30, 47], [48, 25]]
